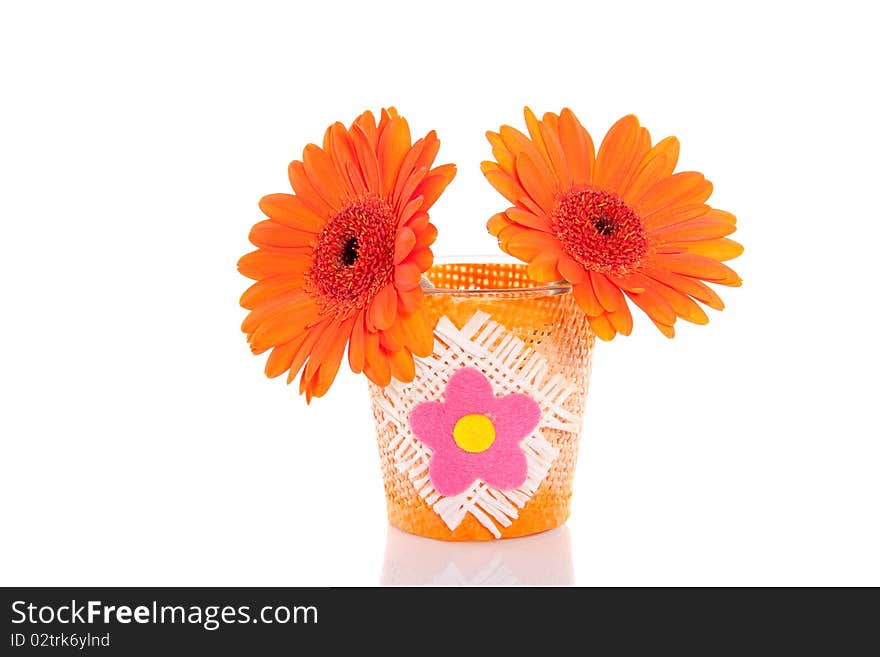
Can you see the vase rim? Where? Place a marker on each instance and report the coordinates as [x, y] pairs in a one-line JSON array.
[[538, 289]]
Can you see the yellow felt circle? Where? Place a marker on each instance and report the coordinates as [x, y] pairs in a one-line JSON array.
[[474, 433]]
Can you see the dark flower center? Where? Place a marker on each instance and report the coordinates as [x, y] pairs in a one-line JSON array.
[[350, 251], [354, 257], [600, 231]]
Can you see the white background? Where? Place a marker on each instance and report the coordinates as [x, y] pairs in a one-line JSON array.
[[141, 443]]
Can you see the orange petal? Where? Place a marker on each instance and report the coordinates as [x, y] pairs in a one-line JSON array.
[[402, 366], [720, 249], [356, 344], [609, 296], [281, 357], [602, 327], [407, 276], [657, 164], [578, 147], [305, 349], [542, 268], [654, 305], [282, 325], [263, 264], [426, 237], [324, 176], [555, 153], [621, 320], [690, 286], [683, 188], [683, 305], [325, 345], [383, 309], [674, 214], [272, 234], [620, 154], [410, 300], [526, 244], [695, 229], [572, 271], [539, 189], [496, 223], [503, 156], [417, 333], [403, 244], [268, 289], [666, 330], [394, 143], [421, 258], [586, 299], [330, 366], [369, 163], [502, 181], [698, 267], [529, 219], [289, 210], [378, 370], [306, 192], [434, 183]]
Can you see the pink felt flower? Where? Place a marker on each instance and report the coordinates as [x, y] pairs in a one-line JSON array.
[[475, 435]]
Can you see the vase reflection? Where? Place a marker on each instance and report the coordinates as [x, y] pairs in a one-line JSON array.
[[539, 560]]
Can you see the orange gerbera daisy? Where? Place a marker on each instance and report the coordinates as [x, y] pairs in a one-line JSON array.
[[339, 261], [613, 224]]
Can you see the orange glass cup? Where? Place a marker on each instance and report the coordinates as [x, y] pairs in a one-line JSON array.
[[525, 339]]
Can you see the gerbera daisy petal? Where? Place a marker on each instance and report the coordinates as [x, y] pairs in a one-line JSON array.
[[543, 269], [719, 249], [289, 210], [657, 164], [305, 191], [403, 244], [602, 327], [418, 336], [620, 154], [394, 143], [572, 271], [586, 299], [383, 310], [654, 305], [273, 234], [621, 319], [407, 276], [665, 329], [282, 356], [356, 344], [609, 296], [530, 179], [684, 188], [268, 289], [502, 181], [690, 286], [434, 183], [555, 153], [323, 176], [496, 223], [366, 155], [529, 219], [264, 264], [402, 365], [695, 229], [699, 267], [504, 158], [578, 147]]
